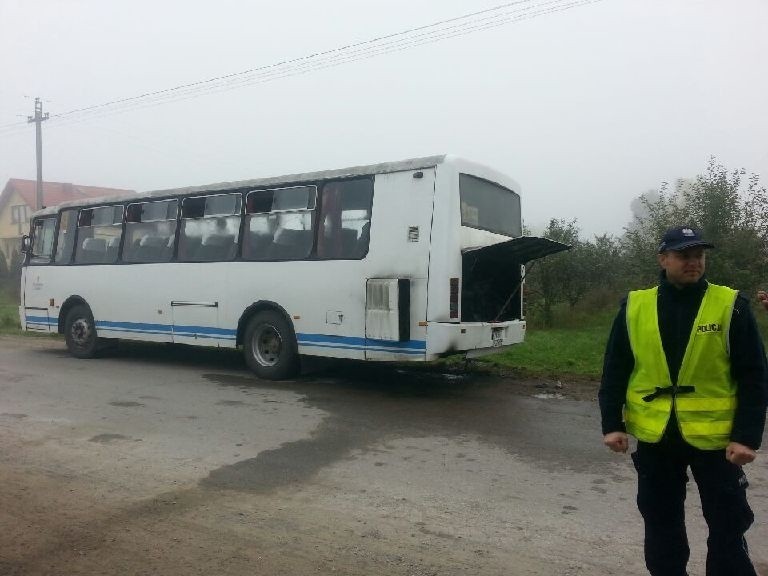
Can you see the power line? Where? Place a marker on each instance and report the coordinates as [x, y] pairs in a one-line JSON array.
[[501, 15], [338, 59], [227, 77]]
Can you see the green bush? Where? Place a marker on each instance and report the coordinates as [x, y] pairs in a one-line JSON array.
[[9, 307]]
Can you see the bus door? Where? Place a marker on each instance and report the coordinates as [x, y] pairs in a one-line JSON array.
[[195, 322], [37, 292]]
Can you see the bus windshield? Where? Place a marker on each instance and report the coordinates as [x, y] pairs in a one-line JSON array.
[[488, 206]]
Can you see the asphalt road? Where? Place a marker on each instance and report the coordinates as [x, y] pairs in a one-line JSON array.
[[169, 460]]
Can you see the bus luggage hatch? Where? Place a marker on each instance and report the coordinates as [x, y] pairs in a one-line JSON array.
[[493, 276], [195, 322], [37, 319]]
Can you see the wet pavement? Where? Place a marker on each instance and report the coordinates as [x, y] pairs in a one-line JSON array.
[[351, 468]]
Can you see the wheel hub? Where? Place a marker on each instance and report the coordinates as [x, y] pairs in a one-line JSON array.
[[267, 345], [81, 332]]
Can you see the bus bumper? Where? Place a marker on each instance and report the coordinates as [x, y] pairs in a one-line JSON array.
[[474, 338]]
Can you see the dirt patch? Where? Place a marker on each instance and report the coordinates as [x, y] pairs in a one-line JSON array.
[[457, 374], [50, 527], [573, 386]]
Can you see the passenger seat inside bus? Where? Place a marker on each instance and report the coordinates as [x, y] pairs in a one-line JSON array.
[[112, 247], [189, 246], [290, 244], [257, 246], [348, 243], [361, 249], [153, 249], [93, 251], [217, 247]]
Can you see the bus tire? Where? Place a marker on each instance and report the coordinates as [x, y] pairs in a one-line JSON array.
[[270, 348], [80, 332]]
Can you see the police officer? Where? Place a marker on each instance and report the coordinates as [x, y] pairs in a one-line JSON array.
[[685, 373]]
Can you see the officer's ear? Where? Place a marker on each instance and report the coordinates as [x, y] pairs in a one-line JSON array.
[[662, 259]]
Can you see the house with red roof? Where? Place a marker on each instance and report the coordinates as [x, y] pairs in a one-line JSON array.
[[18, 201]]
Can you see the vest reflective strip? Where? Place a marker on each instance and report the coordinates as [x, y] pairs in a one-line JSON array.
[[660, 406], [684, 404], [638, 431], [720, 429]]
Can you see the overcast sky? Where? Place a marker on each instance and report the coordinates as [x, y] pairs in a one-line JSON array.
[[586, 107]]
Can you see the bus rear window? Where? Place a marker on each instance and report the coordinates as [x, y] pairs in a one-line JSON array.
[[488, 206]]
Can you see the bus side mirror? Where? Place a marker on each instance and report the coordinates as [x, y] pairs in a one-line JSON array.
[[26, 244]]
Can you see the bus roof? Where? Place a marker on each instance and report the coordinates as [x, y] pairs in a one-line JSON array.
[[367, 170]]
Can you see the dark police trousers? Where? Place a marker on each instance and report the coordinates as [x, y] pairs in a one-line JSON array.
[[662, 478]]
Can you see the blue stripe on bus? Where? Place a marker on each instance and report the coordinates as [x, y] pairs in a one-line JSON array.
[[363, 349], [352, 343], [135, 327], [205, 332], [203, 335], [144, 328], [45, 320]]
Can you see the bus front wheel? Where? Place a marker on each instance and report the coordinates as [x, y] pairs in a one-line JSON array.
[[270, 346], [80, 332]]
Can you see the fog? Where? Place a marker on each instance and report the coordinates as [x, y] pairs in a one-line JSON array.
[[586, 107]]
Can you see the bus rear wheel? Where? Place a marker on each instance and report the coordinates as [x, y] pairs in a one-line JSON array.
[[270, 346], [80, 332]]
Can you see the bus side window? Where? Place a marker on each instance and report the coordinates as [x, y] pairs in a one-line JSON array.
[[345, 219], [97, 230], [42, 240], [278, 223], [66, 241], [150, 231], [210, 227]]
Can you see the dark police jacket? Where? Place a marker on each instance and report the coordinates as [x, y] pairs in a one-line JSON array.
[[677, 311]]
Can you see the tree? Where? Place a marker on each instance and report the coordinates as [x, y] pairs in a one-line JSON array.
[[14, 276], [4, 272], [731, 214], [558, 277], [602, 261]]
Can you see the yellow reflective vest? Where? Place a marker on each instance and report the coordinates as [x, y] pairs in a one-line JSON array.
[[704, 412]]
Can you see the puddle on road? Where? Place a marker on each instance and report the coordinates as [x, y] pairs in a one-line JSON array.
[[128, 404], [292, 463], [107, 438], [367, 405], [231, 403]]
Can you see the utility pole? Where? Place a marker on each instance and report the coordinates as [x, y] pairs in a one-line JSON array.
[[38, 119]]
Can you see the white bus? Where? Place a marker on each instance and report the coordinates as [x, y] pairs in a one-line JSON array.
[[398, 261]]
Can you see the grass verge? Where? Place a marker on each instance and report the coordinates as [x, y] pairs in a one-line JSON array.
[[556, 351], [9, 313]]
